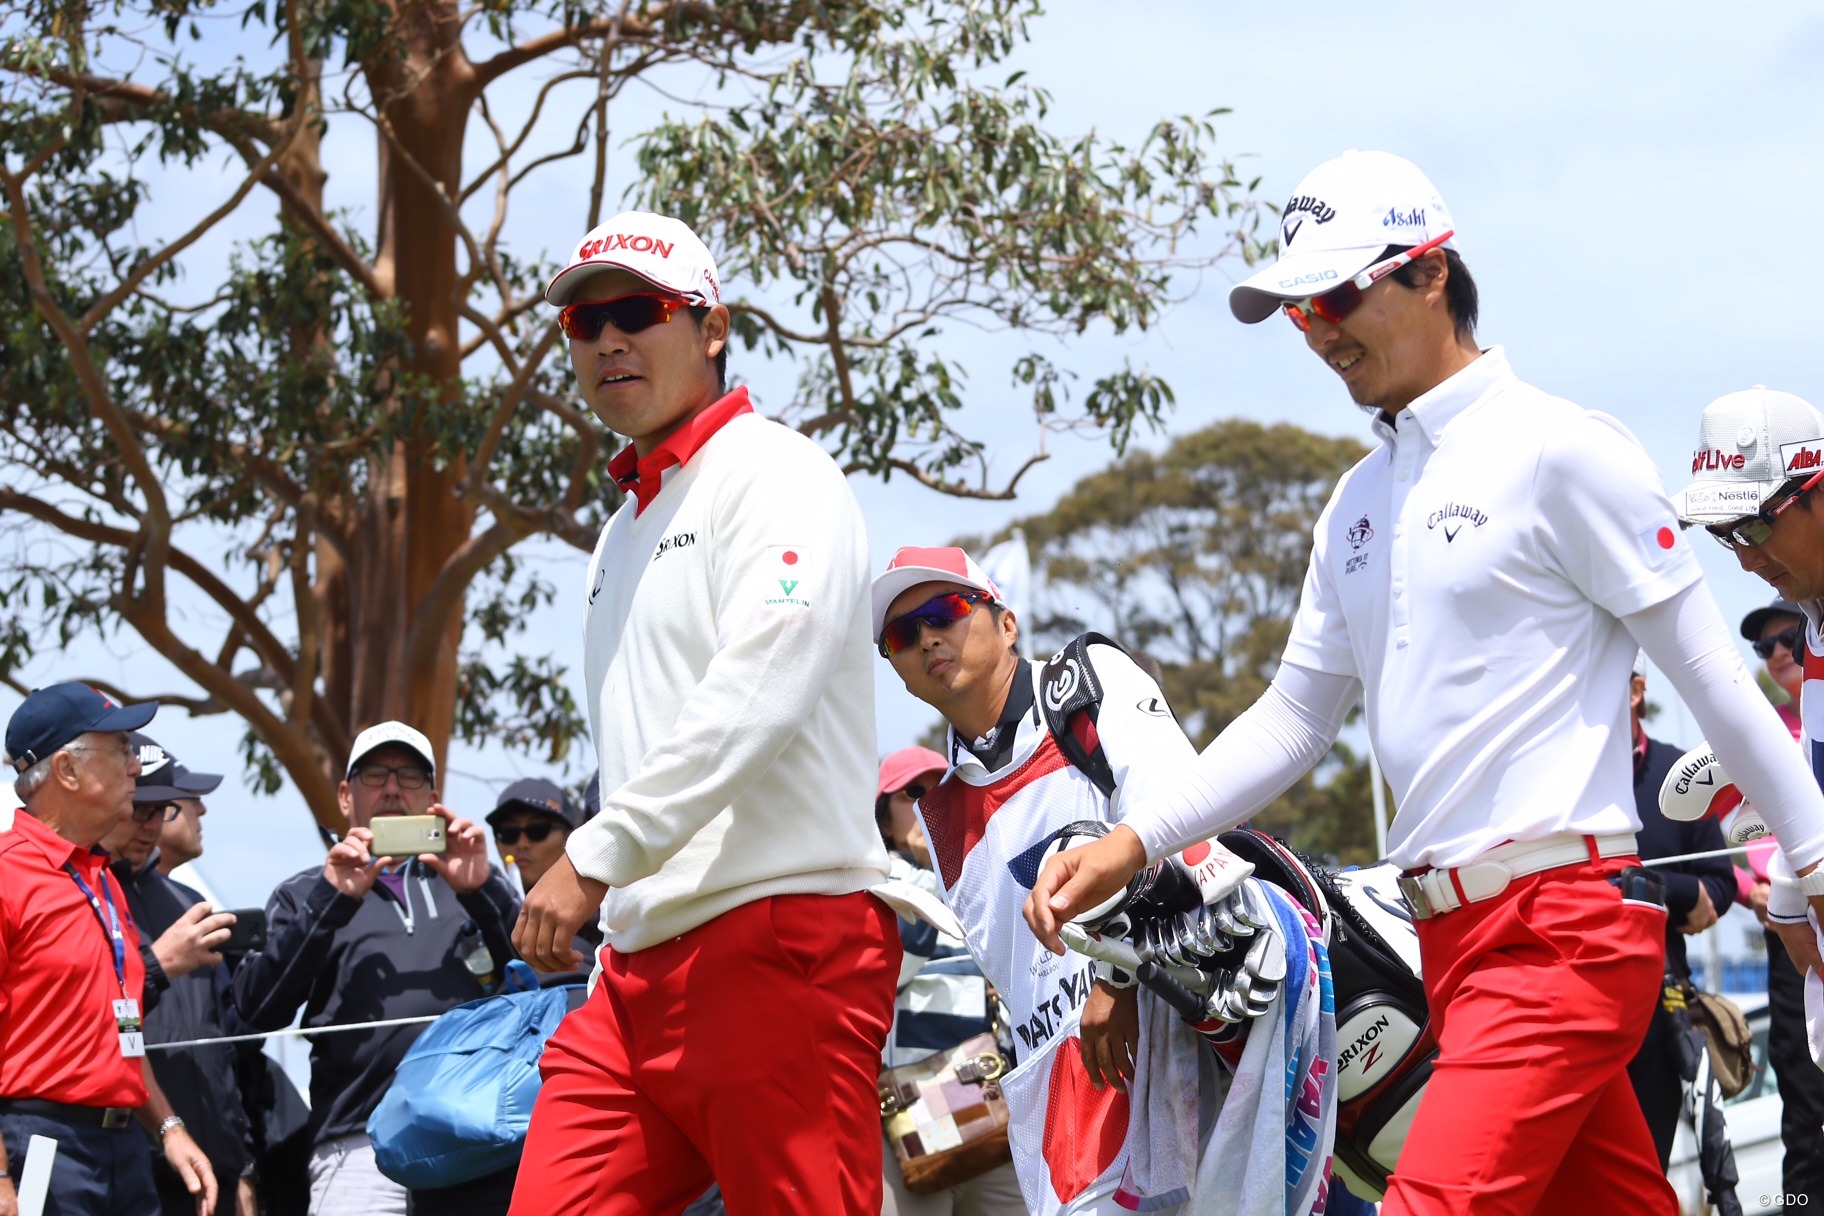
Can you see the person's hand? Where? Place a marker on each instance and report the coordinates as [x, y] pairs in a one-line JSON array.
[[1757, 900], [1110, 1035], [246, 1203], [464, 865], [350, 867], [193, 1169], [1702, 915], [555, 908], [1801, 940], [9, 1198], [1081, 878], [191, 941]]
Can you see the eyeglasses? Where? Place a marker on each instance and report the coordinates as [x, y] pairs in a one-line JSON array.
[[629, 314], [535, 832], [1752, 530], [374, 776], [120, 751], [915, 791], [1337, 303], [145, 812], [1791, 639], [939, 612]]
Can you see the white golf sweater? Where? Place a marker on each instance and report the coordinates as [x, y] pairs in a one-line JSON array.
[[729, 672]]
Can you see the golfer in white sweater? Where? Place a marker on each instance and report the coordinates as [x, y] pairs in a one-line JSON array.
[[747, 980]]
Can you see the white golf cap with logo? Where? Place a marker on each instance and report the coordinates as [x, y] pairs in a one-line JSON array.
[[396, 734], [1337, 223], [661, 250], [1749, 444], [912, 566]]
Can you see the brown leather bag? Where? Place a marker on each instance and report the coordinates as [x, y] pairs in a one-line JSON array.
[[945, 1116], [1727, 1035]]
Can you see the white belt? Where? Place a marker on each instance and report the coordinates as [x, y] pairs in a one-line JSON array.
[[1432, 893]]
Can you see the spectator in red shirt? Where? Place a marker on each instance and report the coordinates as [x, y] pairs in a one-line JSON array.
[[72, 1051]]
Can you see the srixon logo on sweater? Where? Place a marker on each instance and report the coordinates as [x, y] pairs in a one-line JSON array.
[[677, 540]]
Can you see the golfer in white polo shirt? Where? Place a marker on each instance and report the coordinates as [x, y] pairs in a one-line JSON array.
[[1483, 578]]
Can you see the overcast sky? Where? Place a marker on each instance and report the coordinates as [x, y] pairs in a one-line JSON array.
[[1635, 189]]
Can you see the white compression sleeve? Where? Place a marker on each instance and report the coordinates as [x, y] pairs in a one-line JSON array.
[[1274, 743], [1686, 638]]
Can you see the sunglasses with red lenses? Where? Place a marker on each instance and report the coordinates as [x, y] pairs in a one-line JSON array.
[[629, 314], [1339, 302], [939, 612]]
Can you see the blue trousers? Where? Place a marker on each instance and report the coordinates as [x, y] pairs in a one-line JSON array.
[[98, 1172]]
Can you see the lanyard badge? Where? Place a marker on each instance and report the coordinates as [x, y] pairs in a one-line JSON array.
[[128, 1026], [127, 1023]]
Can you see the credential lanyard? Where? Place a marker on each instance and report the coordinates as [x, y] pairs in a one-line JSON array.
[[110, 925]]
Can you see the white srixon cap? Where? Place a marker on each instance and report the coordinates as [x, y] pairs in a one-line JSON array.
[[661, 250], [1336, 224], [1749, 444], [383, 733]]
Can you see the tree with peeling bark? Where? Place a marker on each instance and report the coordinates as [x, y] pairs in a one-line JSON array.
[[292, 449]]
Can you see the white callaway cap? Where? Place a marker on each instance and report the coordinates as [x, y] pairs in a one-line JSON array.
[[381, 734], [1336, 224], [912, 566], [661, 250], [1749, 444]]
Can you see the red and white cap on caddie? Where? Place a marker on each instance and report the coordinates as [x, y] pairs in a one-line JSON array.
[[1337, 223], [661, 250], [912, 566], [1749, 444]]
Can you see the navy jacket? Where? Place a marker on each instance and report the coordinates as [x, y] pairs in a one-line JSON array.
[[1661, 837], [351, 960]]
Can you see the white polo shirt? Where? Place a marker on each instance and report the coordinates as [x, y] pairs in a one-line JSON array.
[[1470, 572]]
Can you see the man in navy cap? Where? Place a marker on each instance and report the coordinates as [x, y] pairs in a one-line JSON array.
[[531, 822], [72, 983], [203, 1083]]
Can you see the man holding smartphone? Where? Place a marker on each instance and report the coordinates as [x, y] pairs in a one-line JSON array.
[[369, 938], [745, 991], [184, 966]]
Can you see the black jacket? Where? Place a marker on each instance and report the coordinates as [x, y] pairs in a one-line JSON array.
[[366, 960], [1661, 837], [203, 1083]]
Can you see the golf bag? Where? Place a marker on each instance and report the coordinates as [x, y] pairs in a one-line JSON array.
[[1385, 1044]]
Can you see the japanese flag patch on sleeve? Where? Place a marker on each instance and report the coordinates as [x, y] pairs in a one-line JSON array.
[[782, 575]]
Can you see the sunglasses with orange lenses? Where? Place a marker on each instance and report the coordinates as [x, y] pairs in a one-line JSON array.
[[629, 314], [1337, 303]]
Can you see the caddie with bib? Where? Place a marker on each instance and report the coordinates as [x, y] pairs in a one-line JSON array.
[[1481, 580]]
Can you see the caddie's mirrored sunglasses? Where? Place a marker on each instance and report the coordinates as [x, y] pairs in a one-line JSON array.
[[374, 776], [535, 832], [629, 314], [1792, 640], [1337, 303], [939, 612], [146, 812], [1752, 530]]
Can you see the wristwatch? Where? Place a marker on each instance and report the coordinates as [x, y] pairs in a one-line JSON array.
[[1812, 884], [171, 1122]]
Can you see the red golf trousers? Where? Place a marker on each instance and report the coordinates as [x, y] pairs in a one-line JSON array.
[[1540, 996], [746, 1052]]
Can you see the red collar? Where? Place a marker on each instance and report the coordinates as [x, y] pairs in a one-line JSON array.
[[55, 848], [643, 477]]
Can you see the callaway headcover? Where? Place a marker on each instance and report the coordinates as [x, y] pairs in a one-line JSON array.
[[1697, 788]]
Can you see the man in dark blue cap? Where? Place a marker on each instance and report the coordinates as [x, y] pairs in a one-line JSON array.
[[203, 1083], [72, 983]]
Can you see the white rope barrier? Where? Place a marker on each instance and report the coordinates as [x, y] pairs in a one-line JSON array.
[[302, 1031], [1666, 861]]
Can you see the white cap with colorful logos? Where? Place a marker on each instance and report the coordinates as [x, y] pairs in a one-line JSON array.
[[1336, 225], [661, 250], [1749, 444], [912, 566]]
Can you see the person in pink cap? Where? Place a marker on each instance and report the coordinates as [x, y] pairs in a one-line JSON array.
[[746, 980]]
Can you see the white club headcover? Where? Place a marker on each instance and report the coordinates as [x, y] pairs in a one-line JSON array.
[[1697, 788], [1217, 872]]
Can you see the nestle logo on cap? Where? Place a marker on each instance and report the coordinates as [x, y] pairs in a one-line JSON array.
[[1716, 461], [1802, 456], [638, 243]]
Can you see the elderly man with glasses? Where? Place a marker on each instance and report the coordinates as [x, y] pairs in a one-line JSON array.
[[73, 1062], [1756, 472], [365, 938]]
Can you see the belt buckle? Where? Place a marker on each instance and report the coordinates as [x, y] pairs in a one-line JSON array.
[[115, 1117], [1414, 892]]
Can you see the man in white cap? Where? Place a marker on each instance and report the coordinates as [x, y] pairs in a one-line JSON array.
[[1483, 577], [364, 938], [1757, 470], [746, 984]]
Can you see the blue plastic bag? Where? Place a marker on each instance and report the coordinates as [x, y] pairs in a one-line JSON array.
[[460, 1103]]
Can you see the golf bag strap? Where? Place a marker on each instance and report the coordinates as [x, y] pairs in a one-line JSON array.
[[1070, 697]]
